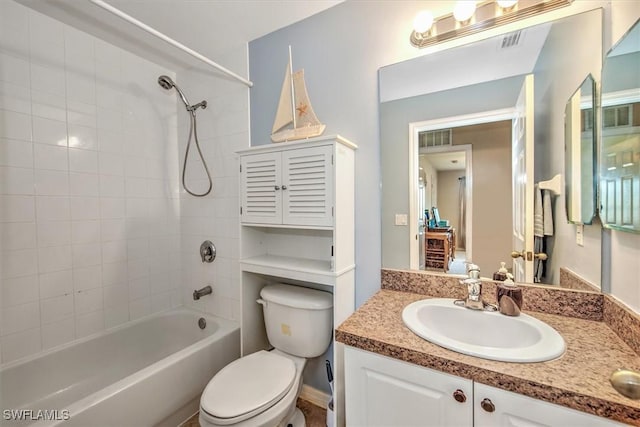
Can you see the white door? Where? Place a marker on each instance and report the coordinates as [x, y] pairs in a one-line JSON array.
[[382, 392], [307, 186], [260, 182], [522, 160]]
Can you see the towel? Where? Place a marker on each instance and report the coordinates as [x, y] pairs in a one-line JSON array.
[[538, 213], [538, 265], [547, 213]]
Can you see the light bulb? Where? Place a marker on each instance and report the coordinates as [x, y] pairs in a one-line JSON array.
[[506, 4], [423, 21], [464, 10]]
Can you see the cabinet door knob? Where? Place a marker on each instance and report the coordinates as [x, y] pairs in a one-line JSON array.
[[284, 187], [487, 405], [459, 396], [277, 187]]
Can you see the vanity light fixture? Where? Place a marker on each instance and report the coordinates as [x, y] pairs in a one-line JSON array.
[[470, 17], [464, 10]]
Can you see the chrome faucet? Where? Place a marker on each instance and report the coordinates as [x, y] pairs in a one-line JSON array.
[[473, 283], [202, 292]]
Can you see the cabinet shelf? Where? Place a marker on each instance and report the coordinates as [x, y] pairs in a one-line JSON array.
[[310, 270]]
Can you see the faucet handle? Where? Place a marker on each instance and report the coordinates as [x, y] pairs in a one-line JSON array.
[[474, 286], [473, 271]]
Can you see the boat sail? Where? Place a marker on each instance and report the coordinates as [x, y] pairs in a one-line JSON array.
[[294, 108]]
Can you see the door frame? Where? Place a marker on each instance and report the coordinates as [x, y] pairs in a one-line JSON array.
[[414, 168]]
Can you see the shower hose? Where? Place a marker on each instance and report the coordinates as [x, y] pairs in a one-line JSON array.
[[193, 134]]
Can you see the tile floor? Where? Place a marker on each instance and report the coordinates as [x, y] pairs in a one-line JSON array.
[[314, 415]]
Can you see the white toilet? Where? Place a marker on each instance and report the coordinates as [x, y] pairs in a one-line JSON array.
[[261, 389]]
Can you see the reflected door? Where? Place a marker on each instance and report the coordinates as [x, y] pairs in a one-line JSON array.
[[522, 160]]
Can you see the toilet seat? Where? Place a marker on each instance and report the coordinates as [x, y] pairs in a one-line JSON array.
[[248, 386]]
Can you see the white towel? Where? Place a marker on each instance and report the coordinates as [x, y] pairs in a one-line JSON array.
[[538, 213], [548, 213]]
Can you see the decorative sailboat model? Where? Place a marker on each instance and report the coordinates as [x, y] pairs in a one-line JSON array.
[[295, 118]]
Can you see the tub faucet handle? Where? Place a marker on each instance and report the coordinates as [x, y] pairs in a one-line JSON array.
[[207, 251]]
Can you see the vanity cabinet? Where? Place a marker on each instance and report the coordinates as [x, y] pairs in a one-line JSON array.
[[381, 391], [500, 408], [297, 226]]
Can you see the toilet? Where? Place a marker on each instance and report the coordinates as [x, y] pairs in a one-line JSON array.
[[261, 389]]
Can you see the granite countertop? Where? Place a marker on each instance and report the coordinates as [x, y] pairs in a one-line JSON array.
[[578, 379]]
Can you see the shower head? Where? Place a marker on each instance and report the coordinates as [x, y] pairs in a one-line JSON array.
[[167, 83]]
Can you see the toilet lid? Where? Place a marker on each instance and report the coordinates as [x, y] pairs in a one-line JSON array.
[[248, 385]]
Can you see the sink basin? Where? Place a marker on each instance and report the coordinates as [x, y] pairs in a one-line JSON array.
[[489, 335]]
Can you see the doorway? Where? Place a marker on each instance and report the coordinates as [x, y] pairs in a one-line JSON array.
[[478, 207], [444, 172]]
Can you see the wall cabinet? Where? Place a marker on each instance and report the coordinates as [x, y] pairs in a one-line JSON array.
[[293, 186], [381, 391], [297, 218]]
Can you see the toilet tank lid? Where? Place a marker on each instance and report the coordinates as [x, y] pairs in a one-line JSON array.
[[297, 297]]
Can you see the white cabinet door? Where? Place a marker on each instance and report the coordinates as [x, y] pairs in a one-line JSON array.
[[260, 188], [515, 410], [307, 190], [385, 392]]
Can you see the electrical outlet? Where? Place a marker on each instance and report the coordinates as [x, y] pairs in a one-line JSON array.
[[580, 234], [401, 219]]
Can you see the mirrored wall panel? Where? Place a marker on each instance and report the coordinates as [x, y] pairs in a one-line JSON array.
[[449, 122], [580, 154], [620, 154]]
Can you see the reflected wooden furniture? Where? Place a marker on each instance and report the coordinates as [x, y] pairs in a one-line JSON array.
[[439, 248]]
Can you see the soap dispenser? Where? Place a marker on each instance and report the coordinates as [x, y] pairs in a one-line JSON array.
[[509, 297], [501, 274]]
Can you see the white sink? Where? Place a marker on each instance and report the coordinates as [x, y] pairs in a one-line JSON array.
[[489, 335]]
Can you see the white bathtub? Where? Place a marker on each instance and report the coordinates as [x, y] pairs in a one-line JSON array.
[[149, 372]]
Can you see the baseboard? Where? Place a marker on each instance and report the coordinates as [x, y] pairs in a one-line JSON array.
[[315, 396]]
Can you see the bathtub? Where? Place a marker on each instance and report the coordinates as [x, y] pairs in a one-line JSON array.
[[146, 373]]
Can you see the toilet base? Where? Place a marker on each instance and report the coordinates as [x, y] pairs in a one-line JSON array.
[[296, 420]]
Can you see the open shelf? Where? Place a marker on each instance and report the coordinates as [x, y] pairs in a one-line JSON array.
[[317, 271]]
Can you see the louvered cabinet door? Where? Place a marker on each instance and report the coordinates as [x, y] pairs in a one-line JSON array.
[[307, 193], [261, 196]]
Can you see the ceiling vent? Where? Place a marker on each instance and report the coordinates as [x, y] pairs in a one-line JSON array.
[[434, 138], [511, 39]]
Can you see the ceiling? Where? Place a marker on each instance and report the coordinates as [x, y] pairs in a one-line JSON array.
[[480, 61], [210, 27], [447, 161]]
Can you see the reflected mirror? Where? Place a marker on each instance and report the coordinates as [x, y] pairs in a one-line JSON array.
[[620, 154], [449, 122], [580, 154]]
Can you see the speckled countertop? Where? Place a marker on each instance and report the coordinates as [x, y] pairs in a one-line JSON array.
[[578, 379]]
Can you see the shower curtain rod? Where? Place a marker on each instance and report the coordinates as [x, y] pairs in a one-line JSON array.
[[158, 34]]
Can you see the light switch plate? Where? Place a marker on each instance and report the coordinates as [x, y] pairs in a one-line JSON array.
[[401, 219], [580, 234]]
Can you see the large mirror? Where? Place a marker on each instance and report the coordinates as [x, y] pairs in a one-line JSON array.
[[580, 154], [471, 131], [620, 154]]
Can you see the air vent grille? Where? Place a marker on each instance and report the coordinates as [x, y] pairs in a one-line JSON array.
[[511, 39], [434, 138]]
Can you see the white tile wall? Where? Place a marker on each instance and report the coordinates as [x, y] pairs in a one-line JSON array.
[[223, 129], [88, 185]]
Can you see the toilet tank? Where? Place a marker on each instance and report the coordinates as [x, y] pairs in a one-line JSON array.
[[299, 321]]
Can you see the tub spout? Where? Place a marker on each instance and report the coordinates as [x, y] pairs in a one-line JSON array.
[[202, 292]]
